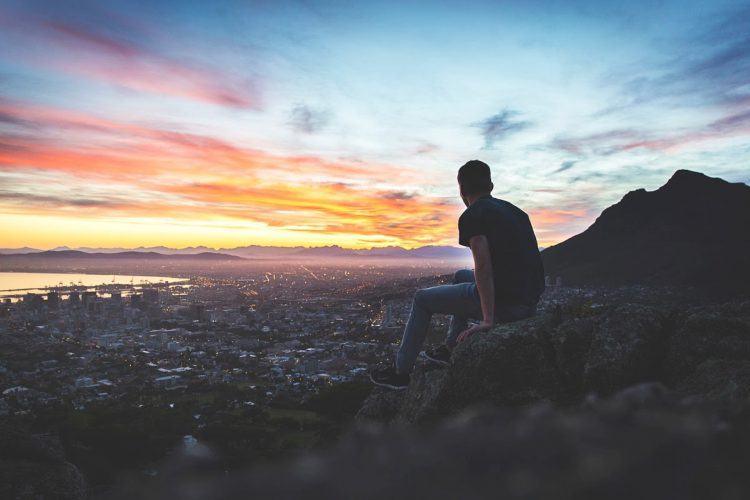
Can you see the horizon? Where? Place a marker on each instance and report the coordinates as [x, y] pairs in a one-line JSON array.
[[312, 125]]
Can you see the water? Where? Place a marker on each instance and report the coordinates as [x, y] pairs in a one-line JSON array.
[[21, 283]]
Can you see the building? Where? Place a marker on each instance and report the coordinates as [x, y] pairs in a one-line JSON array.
[[150, 296], [53, 300]]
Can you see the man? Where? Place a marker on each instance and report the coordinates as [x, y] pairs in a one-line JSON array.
[[505, 285]]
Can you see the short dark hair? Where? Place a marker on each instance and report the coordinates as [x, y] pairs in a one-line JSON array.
[[474, 178]]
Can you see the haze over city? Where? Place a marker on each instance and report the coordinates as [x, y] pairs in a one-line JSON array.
[[293, 123]]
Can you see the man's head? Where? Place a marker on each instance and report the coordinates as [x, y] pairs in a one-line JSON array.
[[474, 180]]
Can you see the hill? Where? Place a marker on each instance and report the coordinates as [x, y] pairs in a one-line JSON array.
[[694, 230]]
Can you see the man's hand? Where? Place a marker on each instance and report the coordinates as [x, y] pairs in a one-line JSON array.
[[480, 327]]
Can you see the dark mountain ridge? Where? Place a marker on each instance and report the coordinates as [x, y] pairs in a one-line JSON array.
[[693, 231]]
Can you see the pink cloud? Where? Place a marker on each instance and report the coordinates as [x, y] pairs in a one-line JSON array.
[[120, 61]]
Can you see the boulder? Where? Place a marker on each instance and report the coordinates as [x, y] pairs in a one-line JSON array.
[[721, 380], [713, 333], [560, 357], [627, 346]]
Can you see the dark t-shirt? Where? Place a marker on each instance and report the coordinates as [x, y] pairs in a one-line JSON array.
[[516, 263]]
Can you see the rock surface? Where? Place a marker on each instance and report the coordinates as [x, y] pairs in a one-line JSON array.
[[560, 357]]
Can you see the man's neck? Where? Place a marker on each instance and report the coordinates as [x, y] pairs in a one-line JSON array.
[[471, 199]]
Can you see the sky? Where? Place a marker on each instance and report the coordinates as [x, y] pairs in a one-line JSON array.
[[231, 123]]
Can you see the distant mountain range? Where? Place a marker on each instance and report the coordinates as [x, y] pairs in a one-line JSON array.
[[78, 254], [247, 252], [694, 230]]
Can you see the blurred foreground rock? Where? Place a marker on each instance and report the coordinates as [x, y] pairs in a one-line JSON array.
[[644, 442]]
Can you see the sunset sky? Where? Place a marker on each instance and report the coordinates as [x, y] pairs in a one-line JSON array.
[[230, 123]]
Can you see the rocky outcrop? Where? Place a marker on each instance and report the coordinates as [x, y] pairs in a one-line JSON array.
[[561, 357], [34, 466], [643, 442]]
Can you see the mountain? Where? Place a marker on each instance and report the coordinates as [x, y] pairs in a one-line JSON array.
[[6, 251], [694, 230], [270, 252], [78, 254]]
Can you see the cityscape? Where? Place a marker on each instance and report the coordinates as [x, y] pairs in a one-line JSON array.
[[258, 346]]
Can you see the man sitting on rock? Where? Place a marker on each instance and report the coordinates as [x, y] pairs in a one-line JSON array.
[[505, 285]]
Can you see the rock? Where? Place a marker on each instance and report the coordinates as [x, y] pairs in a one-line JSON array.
[[510, 365], [561, 357], [627, 347], [725, 381], [571, 342], [546, 358], [718, 333], [645, 395], [381, 405], [649, 449]]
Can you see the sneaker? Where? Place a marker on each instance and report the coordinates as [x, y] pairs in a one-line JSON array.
[[387, 377], [440, 355]]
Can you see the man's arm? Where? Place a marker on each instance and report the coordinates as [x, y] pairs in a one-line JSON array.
[[480, 250]]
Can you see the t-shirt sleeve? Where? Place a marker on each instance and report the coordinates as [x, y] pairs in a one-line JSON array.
[[469, 225]]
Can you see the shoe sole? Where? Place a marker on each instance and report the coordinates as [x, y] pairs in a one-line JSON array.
[[389, 386], [435, 360]]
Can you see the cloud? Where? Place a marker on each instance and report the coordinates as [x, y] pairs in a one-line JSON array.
[[106, 49], [566, 165], [72, 163], [426, 148], [710, 67], [622, 140], [498, 126], [599, 143], [308, 120], [51, 201]]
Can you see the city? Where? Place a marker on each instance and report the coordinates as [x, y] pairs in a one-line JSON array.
[[257, 349]]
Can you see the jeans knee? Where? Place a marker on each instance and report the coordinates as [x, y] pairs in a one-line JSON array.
[[463, 276], [420, 296]]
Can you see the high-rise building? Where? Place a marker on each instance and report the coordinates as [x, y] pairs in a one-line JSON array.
[[88, 298], [136, 300], [53, 300], [150, 296], [33, 301], [388, 315]]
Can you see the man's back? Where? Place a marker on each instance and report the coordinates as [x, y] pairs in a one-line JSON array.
[[516, 263]]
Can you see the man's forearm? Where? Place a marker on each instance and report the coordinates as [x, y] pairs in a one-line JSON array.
[[486, 289]]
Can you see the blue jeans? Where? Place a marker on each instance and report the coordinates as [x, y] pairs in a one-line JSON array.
[[461, 301]]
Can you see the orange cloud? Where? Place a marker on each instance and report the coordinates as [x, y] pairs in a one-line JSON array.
[[143, 172]]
